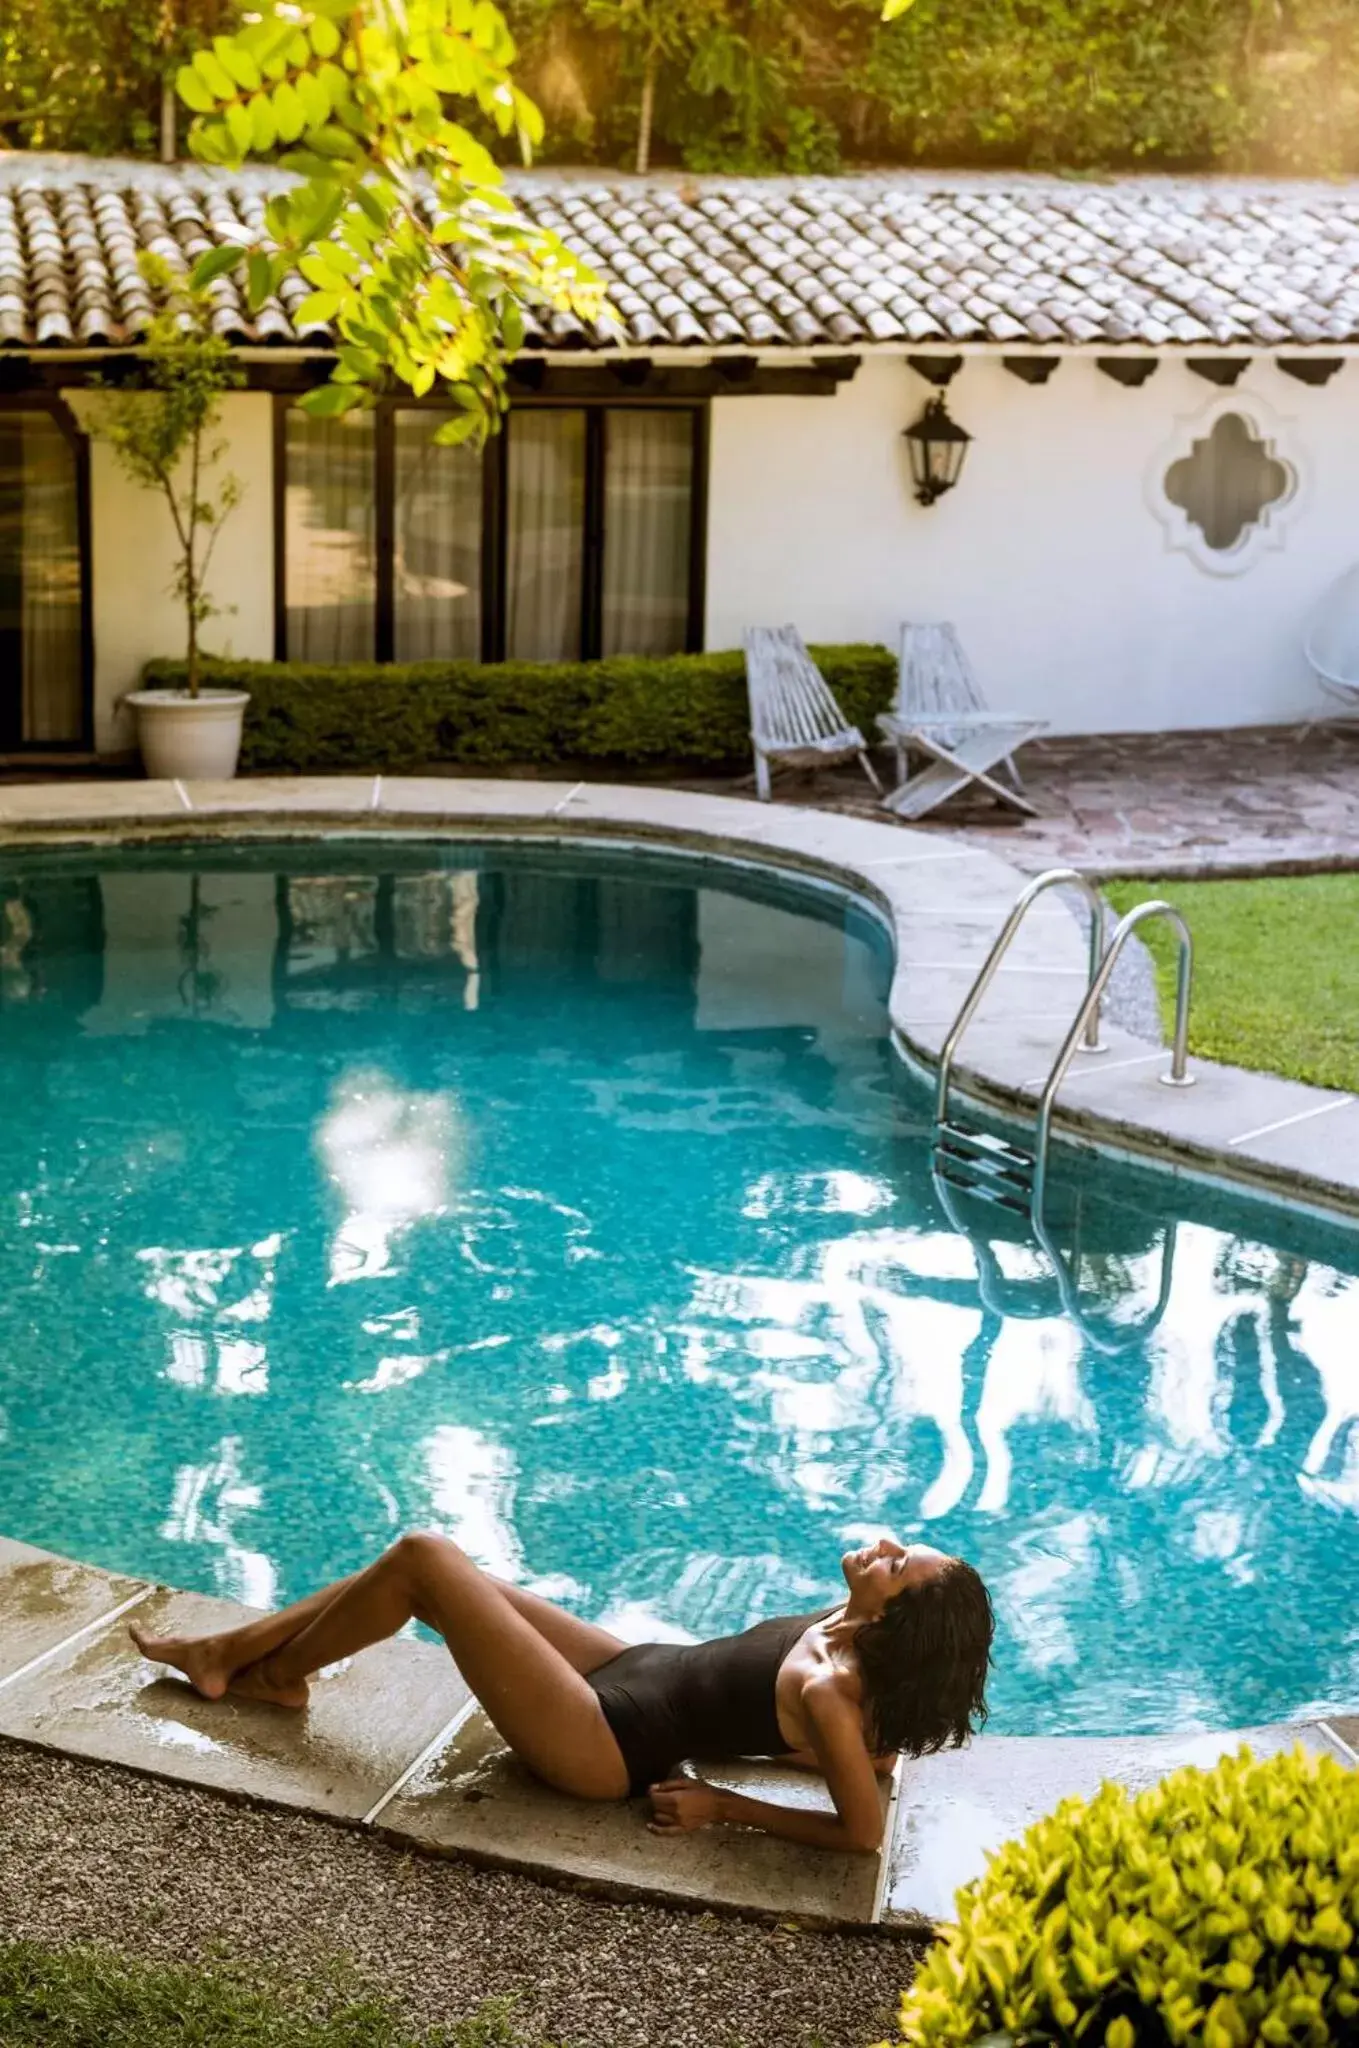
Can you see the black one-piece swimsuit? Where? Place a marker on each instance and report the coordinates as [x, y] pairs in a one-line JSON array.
[[668, 1701]]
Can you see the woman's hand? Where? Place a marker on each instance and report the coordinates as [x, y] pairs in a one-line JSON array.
[[680, 1805]]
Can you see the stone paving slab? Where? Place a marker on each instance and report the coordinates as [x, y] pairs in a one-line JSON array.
[[1346, 1726], [956, 1808], [473, 1797], [328, 794], [368, 1720], [93, 803], [45, 1600]]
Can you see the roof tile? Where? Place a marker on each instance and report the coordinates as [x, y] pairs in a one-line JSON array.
[[741, 262]]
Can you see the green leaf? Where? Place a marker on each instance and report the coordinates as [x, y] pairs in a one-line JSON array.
[[315, 99], [259, 279], [318, 309], [422, 380], [487, 25], [892, 9], [240, 127], [289, 113], [216, 263], [529, 118], [474, 160], [324, 37], [328, 401], [338, 86], [193, 91], [263, 127], [463, 426], [238, 62], [214, 75], [372, 206]]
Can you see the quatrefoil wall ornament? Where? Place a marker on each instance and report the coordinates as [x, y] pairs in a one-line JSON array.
[[1221, 488]]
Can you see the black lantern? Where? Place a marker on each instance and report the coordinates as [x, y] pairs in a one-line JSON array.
[[937, 446]]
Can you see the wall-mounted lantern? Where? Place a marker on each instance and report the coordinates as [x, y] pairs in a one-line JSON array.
[[938, 448]]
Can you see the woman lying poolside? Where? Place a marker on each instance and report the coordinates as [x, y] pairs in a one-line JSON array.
[[900, 1665]]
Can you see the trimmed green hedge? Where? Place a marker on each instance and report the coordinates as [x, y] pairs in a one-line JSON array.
[[686, 710]]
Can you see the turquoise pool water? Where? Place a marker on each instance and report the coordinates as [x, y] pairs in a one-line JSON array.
[[573, 1202]]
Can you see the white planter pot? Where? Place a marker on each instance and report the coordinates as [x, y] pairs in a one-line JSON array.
[[193, 739]]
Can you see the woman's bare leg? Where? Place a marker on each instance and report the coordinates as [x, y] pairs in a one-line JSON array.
[[533, 1694], [211, 1662], [584, 1644], [534, 1697]]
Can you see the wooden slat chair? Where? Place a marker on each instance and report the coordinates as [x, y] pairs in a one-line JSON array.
[[793, 715], [940, 711]]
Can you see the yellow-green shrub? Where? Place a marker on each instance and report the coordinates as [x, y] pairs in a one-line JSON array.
[[1220, 1907]]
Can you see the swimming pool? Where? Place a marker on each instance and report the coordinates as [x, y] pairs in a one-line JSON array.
[[574, 1201]]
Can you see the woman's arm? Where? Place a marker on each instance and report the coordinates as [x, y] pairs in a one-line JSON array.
[[838, 1752], [807, 1760]]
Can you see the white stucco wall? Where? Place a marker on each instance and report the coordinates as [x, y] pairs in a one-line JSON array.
[[133, 560], [1047, 556]]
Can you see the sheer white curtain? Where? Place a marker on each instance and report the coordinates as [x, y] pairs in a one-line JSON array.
[[40, 577], [545, 535], [648, 490], [328, 524], [436, 576]]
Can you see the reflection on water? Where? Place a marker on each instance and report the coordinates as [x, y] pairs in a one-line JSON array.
[[584, 1214]]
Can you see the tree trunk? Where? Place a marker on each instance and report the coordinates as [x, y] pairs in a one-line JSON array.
[[169, 140], [645, 114]]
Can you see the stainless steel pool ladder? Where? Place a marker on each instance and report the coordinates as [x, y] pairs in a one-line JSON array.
[[978, 1161]]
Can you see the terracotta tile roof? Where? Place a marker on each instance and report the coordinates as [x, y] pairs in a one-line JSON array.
[[835, 263]]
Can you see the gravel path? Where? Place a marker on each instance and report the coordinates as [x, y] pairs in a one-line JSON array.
[[90, 1853]]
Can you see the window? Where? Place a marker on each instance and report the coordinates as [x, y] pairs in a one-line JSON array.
[[44, 637], [1226, 482], [574, 534]]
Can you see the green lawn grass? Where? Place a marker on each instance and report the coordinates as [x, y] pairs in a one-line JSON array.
[[90, 1998], [1276, 971]]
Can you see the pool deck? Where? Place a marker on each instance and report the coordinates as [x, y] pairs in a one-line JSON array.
[[392, 1742]]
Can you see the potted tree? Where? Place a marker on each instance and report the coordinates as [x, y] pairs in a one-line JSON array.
[[160, 431]]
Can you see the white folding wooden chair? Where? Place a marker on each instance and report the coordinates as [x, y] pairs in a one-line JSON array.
[[793, 714], [940, 711]]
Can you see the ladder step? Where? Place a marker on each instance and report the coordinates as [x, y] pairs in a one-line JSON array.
[[996, 1193], [981, 1149]]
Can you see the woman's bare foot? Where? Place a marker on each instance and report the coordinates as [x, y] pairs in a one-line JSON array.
[[197, 1658], [254, 1683]]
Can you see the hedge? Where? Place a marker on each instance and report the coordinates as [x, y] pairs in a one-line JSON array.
[[684, 711]]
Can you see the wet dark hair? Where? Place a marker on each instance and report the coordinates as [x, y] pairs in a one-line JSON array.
[[924, 1663]]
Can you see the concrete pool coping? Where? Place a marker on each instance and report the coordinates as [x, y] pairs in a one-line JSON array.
[[941, 901], [393, 1743]]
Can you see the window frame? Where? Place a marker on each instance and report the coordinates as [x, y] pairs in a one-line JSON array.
[[494, 510], [12, 741]]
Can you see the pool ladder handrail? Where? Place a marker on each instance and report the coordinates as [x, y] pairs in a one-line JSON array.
[[1052, 878], [1004, 1173], [1178, 1075]]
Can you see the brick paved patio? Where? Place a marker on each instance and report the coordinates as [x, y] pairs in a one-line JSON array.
[[1276, 797], [1258, 797]]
